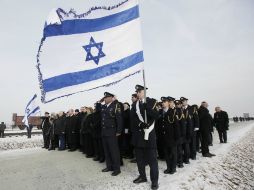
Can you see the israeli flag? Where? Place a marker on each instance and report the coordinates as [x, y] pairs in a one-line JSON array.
[[32, 109], [80, 52]]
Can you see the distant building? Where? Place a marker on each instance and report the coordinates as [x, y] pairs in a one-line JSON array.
[[34, 120]]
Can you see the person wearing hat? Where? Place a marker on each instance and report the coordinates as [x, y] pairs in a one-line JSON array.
[[169, 126], [187, 111], [182, 125], [112, 125], [144, 137]]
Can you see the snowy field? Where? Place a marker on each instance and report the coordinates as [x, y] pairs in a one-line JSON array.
[[39, 169], [20, 142]]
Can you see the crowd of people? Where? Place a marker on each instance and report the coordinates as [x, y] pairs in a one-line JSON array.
[[241, 119], [170, 130]]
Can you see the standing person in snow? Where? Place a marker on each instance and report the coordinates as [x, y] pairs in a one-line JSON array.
[[144, 137], [221, 123], [168, 124], [112, 125], [52, 120], [83, 115], [205, 126], [97, 140], [134, 98], [73, 130], [2, 128], [127, 147], [45, 126], [195, 138], [29, 130], [180, 144], [187, 111], [60, 130]]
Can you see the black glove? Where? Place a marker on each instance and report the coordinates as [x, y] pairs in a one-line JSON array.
[[143, 125]]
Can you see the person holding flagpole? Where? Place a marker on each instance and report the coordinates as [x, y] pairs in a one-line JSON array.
[[143, 115]]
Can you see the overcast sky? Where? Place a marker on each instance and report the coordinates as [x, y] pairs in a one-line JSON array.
[[200, 49]]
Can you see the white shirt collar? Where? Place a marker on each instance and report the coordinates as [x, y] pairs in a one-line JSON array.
[[108, 104]]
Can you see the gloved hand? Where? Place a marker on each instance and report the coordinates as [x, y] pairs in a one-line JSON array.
[[143, 125]]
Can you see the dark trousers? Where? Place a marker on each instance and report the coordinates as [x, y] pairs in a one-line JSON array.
[[193, 151], [126, 146], [210, 142], [89, 146], [198, 141], [29, 132], [62, 141], [223, 135], [186, 152], [112, 153], [171, 157], [180, 154], [148, 156], [205, 136], [98, 148], [1, 134], [46, 140], [160, 149], [56, 137]]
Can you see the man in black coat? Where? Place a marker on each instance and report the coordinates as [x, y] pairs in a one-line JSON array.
[[98, 145], [83, 115], [112, 125], [205, 126], [189, 140], [45, 126], [181, 146], [73, 130], [144, 137], [2, 128], [221, 123], [126, 144], [60, 130], [168, 124]]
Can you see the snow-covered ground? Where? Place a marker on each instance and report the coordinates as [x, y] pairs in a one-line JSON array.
[[20, 142], [39, 169]]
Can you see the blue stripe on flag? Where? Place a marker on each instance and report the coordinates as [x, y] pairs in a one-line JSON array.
[[35, 110], [35, 96], [78, 26], [76, 78]]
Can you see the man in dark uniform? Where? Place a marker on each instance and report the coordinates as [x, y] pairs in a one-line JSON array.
[[181, 141], [193, 126], [45, 126], [112, 125], [168, 124], [144, 138], [205, 125], [187, 111], [221, 123]]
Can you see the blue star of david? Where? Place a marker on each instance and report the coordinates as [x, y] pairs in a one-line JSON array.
[[88, 48]]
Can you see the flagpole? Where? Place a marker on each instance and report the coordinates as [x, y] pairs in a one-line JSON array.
[[144, 80]]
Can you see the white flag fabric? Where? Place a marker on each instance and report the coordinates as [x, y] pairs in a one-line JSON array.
[[80, 52], [32, 109]]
